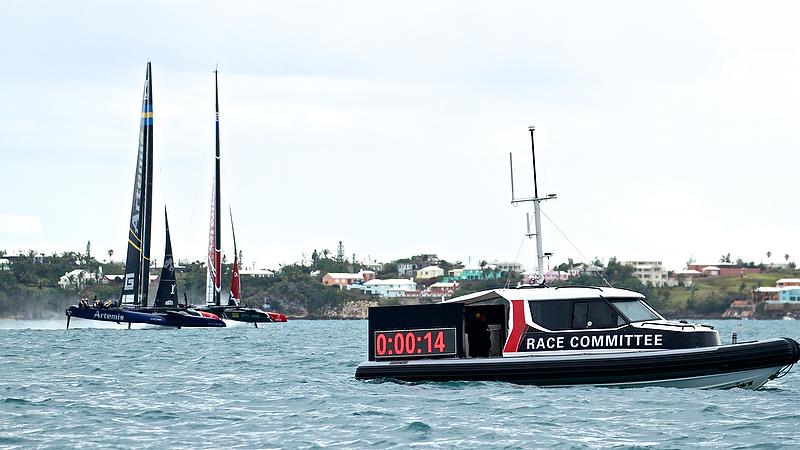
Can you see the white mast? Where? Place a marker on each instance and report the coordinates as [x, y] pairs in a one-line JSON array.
[[536, 208]]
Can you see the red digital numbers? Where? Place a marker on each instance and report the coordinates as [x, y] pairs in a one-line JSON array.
[[403, 343]]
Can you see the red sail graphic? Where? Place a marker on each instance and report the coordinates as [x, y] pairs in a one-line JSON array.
[[236, 283], [214, 261]]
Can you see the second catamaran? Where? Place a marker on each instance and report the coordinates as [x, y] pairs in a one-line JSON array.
[[233, 310]]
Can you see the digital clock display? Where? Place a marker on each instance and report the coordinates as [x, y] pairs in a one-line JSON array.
[[415, 343]]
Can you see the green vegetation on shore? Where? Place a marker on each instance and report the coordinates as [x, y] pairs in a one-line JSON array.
[[29, 288]]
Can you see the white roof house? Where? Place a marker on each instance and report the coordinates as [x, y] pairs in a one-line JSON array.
[[430, 272], [259, 273], [396, 287], [345, 276], [76, 278], [780, 283]]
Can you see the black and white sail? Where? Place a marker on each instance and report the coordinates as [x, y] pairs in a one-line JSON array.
[[167, 293], [137, 262]]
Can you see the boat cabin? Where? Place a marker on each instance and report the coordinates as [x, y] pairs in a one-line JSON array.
[[529, 321]]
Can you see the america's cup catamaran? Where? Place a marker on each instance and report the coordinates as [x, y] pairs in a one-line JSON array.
[[232, 308], [132, 306]]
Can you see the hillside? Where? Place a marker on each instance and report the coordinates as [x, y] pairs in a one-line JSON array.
[[711, 296]]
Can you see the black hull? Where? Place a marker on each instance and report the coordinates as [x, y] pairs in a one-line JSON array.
[[239, 314], [631, 368], [165, 317]]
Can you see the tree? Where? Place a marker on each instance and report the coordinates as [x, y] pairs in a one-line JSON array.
[[340, 253], [88, 249], [110, 254], [769, 255], [786, 257], [725, 258], [314, 258]]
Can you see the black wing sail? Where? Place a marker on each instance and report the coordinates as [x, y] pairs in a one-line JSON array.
[[167, 294], [133, 262], [214, 271]]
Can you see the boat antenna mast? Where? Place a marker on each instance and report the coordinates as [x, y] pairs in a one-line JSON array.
[[536, 207]]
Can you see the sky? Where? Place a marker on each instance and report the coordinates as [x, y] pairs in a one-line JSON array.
[[667, 130]]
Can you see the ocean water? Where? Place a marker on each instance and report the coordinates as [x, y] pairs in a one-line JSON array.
[[291, 385]]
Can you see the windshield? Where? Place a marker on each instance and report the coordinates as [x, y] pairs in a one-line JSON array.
[[635, 310]]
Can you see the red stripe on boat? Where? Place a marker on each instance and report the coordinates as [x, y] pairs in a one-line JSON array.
[[518, 327]]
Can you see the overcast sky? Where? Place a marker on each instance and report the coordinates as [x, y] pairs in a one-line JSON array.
[[668, 130]]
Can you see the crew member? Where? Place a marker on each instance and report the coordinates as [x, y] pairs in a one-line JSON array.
[[480, 341]]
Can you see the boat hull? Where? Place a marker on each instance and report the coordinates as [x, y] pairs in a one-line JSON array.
[[180, 319], [166, 318], [747, 365], [118, 315], [243, 314]]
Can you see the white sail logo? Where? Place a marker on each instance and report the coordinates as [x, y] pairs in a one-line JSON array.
[[129, 277]]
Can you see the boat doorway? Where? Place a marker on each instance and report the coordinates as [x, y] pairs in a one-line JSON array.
[[495, 319]]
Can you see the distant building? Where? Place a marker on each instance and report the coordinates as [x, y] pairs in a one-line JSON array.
[[76, 278], [767, 294], [441, 289], [373, 266], [723, 269], [555, 275], [430, 272], [789, 294], [256, 273], [471, 273], [506, 266], [341, 279], [398, 287], [648, 272], [786, 282], [407, 269], [683, 277], [112, 278], [455, 273], [367, 274]]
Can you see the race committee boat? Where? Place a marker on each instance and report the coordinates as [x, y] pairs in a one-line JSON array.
[[561, 336]]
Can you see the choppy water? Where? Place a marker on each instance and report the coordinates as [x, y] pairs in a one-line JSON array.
[[291, 385]]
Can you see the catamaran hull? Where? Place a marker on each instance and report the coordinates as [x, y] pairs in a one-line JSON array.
[[117, 315], [248, 315], [746, 365], [167, 318], [182, 319]]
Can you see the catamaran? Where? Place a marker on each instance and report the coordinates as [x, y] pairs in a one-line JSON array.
[[233, 310], [561, 336], [132, 307]]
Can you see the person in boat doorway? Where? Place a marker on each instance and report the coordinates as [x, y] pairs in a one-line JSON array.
[[480, 341]]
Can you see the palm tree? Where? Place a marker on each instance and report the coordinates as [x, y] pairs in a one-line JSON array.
[[769, 255], [786, 257], [110, 254]]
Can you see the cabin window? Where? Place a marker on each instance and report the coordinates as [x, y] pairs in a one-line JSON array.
[[594, 314], [552, 314], [635, 310]]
